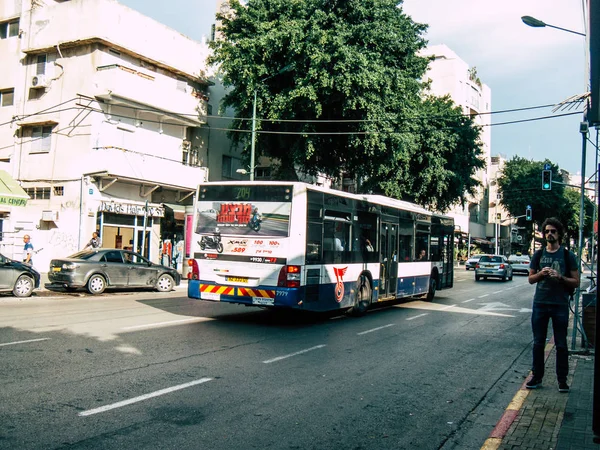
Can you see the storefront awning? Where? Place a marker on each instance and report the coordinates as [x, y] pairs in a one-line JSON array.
[[178, 210], [481, 241], [11, 193]]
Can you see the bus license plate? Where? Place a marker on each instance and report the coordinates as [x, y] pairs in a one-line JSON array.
[[263, 301], [238, 279]]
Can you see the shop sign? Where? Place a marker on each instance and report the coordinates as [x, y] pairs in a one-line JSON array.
[[131, 209], [12, 201]]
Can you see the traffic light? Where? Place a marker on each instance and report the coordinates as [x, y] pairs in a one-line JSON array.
[[546, 180], [498, 216], [528, 213]]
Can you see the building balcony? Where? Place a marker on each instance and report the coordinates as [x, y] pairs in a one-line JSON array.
[[120, 85], [80, 22], [112, 164]]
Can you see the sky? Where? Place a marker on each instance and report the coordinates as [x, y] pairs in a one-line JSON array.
[[523, 66]]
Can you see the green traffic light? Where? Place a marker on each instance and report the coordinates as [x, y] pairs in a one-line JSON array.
[[546, 185]]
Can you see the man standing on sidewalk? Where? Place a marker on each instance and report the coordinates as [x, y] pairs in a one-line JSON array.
[[554, 269]]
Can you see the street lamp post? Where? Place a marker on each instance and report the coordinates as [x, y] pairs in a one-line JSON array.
[[536, 23], [253, 143], [583, 128], [252, 146]]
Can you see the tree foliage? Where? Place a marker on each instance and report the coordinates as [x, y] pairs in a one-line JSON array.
[[521, 185], [339, 89]]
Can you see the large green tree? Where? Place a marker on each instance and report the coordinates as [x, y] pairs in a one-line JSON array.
[[521, 185], [339, 89]]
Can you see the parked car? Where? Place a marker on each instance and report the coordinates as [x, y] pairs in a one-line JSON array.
[[17, 277], [520, 264], [472, 262], [493, 266], [97, 269]]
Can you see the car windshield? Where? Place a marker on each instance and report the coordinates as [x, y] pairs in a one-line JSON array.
[[518, 259], [493, 259], [84, 254]]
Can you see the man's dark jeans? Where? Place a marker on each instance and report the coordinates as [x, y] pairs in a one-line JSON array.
[[542, 313]]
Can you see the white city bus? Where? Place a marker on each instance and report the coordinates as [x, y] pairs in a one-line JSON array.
[[295, 245]]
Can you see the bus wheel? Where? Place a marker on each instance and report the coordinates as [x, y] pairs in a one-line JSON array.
[[362, 297], [432, 287]]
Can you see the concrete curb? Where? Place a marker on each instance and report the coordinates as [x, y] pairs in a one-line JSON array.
[[512, 410]]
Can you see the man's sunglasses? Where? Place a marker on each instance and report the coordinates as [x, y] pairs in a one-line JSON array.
[[550, 231]]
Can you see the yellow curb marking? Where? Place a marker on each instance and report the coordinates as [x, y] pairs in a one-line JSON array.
[[518, 400], [491, 444]]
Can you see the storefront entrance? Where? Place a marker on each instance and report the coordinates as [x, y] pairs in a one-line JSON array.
[[125, 232]]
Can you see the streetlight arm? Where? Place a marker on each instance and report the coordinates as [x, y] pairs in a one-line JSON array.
[[536, 23]]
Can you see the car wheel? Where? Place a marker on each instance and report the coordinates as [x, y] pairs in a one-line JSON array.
[[165, 283], [96, 284], [23, 287], [476, 277], [503, 278], [362, 297]]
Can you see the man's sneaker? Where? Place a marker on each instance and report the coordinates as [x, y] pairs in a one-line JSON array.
[[534, 383], [563, 387]]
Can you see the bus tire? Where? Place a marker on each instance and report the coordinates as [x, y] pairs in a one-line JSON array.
[[362, 296], [433, 284]]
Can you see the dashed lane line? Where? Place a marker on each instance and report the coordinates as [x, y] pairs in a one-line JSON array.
[[279, 358], [24, 342], [484, 295], [467, 301], [376, 329], [417, 316], [141, 398], [498, 292]]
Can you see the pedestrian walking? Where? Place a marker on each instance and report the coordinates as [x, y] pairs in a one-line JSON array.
[[94, 241], [27, 250], [554, 270]]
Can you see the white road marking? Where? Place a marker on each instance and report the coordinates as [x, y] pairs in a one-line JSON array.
[[485, 295], [447, 307], [417, 316], [470, 300], [376, 329], [279, 358], [171, 322], [105, 408], [497, 292], [24, 342]]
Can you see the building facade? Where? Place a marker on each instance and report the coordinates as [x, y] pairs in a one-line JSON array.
[[101, 120], [450, 75]]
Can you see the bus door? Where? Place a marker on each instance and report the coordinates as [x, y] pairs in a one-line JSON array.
[[447, 275], [388, 278]]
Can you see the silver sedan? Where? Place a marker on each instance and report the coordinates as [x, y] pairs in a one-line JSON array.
[[98, 269], [493, 266]]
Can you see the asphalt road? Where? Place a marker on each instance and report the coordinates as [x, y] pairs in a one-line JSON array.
[[161, 371]]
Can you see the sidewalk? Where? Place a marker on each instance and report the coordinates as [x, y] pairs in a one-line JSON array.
[[545, 419]]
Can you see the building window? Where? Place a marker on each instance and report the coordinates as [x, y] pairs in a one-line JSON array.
[[114, 52], [41, 139], [190, 155], [38, 193], [59, 191], [40, 65], [9, 29], [263, 172], [227, 167], [7, 97]]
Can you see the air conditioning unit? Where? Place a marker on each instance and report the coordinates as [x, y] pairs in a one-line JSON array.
[[39, 82], [49, 216]]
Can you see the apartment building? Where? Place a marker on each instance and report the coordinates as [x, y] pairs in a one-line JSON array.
[[450, 75], [101, 117]]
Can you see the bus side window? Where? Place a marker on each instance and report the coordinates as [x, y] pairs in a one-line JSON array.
[[314, 242]]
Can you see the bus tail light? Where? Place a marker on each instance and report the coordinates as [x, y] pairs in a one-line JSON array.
[[289, 276], [194, 274]]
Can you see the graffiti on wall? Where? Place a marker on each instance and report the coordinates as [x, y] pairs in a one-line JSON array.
[[65, 241]]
